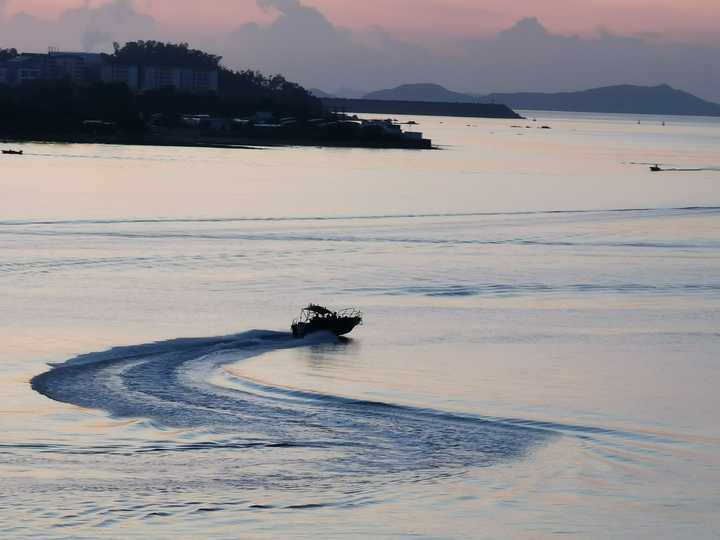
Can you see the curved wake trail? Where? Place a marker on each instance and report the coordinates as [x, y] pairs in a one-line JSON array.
[[362, 217], [174, 384]]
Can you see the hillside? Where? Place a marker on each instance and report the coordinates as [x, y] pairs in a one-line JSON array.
[[629, 99], [421, 92], [319, 93]]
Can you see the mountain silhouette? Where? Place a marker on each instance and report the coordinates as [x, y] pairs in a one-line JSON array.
[[422, 92], [629, 99]]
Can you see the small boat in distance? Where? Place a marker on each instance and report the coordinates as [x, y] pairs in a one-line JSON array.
[[655, 168], [316, 318], [13, 152]]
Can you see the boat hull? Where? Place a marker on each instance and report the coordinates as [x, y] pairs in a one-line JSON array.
[[338, 326]]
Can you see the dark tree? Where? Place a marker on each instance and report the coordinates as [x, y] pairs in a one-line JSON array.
[[274, 94], [63, 106], [242, 92], [57, 107], [7, 54], [163, 54]]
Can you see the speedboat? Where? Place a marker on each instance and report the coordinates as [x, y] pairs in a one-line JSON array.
[[655, 168], [314, 318], [13, 152]]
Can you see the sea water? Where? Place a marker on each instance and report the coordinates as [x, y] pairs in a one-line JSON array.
[[539, 355]]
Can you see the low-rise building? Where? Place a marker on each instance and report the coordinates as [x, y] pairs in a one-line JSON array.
[[412, 135], [263, 117]]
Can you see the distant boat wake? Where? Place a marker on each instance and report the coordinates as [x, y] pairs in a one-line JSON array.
[[697, 169], [715, 169], [662, 168], [181, 383]]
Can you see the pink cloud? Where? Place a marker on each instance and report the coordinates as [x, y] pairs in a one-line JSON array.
[[689, 20], [474, 47]]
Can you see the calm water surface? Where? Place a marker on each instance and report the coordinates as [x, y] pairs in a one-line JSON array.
[[540, 353]]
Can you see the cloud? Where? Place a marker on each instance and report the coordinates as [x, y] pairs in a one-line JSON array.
[[87, 28], [101, 25], [300, 42], [303, 44], [528, 57]]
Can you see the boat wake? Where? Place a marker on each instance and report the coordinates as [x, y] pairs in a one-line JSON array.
[[663, 168], [182, 383]]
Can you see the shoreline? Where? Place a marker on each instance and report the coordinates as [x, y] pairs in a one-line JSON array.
[[239, 143], [423, 108]]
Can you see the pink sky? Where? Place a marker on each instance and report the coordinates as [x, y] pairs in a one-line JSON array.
[[687, 20]]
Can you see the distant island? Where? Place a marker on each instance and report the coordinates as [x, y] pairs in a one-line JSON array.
[[149, 92], [662, 100], [421, 99], [629, 99]]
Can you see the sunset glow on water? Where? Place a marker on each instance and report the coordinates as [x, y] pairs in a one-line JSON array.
[[539, 353]]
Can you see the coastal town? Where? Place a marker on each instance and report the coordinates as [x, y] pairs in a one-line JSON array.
[[165, 94]]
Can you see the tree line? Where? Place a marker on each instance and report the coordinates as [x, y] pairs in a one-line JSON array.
[[62, 106]]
